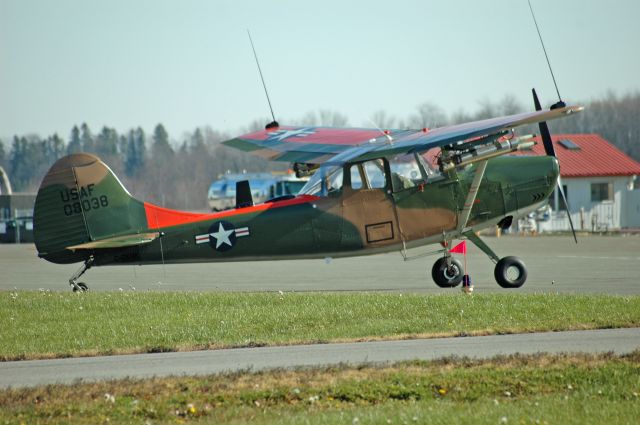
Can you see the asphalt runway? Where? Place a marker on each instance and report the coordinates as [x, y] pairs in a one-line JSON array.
[[597, 264], [89, 369]]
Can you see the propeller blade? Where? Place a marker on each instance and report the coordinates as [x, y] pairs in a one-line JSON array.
[[566, 205], [550, 151], [544, 128]]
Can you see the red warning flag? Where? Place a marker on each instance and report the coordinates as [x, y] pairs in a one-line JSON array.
[[461, 248]]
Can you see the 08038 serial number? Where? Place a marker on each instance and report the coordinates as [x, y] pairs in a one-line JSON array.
[[86, 205]]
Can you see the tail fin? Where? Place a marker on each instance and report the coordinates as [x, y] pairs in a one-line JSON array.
[[80, 200]]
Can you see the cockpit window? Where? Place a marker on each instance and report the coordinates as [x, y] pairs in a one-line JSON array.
[[326, 181], [356, 178], [375, 174], [368, 175], [408, 171]]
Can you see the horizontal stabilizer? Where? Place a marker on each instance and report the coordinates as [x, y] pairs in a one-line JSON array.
[[118, 241]]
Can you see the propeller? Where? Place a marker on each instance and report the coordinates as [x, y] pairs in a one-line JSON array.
[[550, 151]]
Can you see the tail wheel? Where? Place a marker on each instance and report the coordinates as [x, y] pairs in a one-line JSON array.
[[447, 275], [510, 272]]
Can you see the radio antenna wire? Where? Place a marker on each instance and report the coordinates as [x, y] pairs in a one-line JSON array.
[[274, 123], [545, 52]]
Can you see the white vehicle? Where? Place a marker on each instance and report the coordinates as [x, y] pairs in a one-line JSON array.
[[264, 186]]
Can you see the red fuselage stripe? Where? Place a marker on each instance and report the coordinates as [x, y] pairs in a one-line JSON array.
[[158, 217]]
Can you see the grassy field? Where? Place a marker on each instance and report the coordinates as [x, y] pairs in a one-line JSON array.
[[54, 324], [540, 389]]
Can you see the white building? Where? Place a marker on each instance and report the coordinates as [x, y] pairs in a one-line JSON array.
[[599, 181]]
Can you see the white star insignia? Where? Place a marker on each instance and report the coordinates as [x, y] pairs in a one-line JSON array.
[[284, 134], [222, 236]]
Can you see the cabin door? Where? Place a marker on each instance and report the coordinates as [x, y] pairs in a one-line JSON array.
[[367, 206]]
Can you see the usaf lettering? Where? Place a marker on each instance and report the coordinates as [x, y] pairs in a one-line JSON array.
[[77, 200]]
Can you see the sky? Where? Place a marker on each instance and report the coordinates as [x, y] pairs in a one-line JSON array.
[[188, 63]]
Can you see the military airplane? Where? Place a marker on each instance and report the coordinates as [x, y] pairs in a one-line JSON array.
[[370, 192]]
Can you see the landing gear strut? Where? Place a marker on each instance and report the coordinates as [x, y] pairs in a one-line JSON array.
[[73, 281], [447, 272]]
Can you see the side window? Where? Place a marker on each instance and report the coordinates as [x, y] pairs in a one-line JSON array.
[[375, 174], [334, 182], [601, 192], [368, 175], [356, 180]]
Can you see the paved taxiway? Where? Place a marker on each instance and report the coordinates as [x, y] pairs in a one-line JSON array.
[[88, 369], [596, 264]]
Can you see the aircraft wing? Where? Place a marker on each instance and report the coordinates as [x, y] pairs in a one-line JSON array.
[[313, 145], [317, 145], [118, 241]]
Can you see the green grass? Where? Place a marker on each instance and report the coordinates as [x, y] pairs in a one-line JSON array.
[[53, 324], [578, 389]]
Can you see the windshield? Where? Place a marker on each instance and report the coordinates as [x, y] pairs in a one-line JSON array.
[[326, 181], [409, 171]]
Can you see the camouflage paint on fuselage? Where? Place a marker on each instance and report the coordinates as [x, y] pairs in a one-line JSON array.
[[345, 223]]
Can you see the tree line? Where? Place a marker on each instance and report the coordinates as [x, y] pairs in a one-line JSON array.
[[150, 166], [177, 173]]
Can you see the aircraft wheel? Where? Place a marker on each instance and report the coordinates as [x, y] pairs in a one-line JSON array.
[[510, 272], [80, 286], [447, 277]]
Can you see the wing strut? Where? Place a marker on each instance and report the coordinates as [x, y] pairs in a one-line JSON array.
[[463, 216]]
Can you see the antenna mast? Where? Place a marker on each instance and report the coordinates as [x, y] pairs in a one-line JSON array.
[[545, 52], [274, 123]]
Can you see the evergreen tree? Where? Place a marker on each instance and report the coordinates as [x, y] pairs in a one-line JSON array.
[[130, 157], [54, 148], [184, 148], [135, 152], [123, 143], [75, 144], [197, 141], [106, 144], [141, 147], [3, 155], [86, 138], [19, 173], [161, 149]]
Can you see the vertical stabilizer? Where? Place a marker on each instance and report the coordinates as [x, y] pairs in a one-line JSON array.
[[80, 200]]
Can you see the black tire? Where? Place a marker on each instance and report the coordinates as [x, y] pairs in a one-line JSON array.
[[447, 277], [81, 286], [510, 272]]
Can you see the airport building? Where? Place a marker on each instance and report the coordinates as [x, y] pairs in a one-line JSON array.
[[16, 213], [600, 182]]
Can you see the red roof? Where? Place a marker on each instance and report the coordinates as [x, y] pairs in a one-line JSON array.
[[594, 156]]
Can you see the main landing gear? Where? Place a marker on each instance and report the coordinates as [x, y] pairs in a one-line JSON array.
[[73, 281], [509, 272], [447, 272]]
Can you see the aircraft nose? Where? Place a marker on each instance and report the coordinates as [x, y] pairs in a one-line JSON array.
[[553, 173], [555, 169]]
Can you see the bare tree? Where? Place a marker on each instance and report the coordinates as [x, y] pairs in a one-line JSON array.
[[509, 105], [383, 120], [323, 117], [428, 115]]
